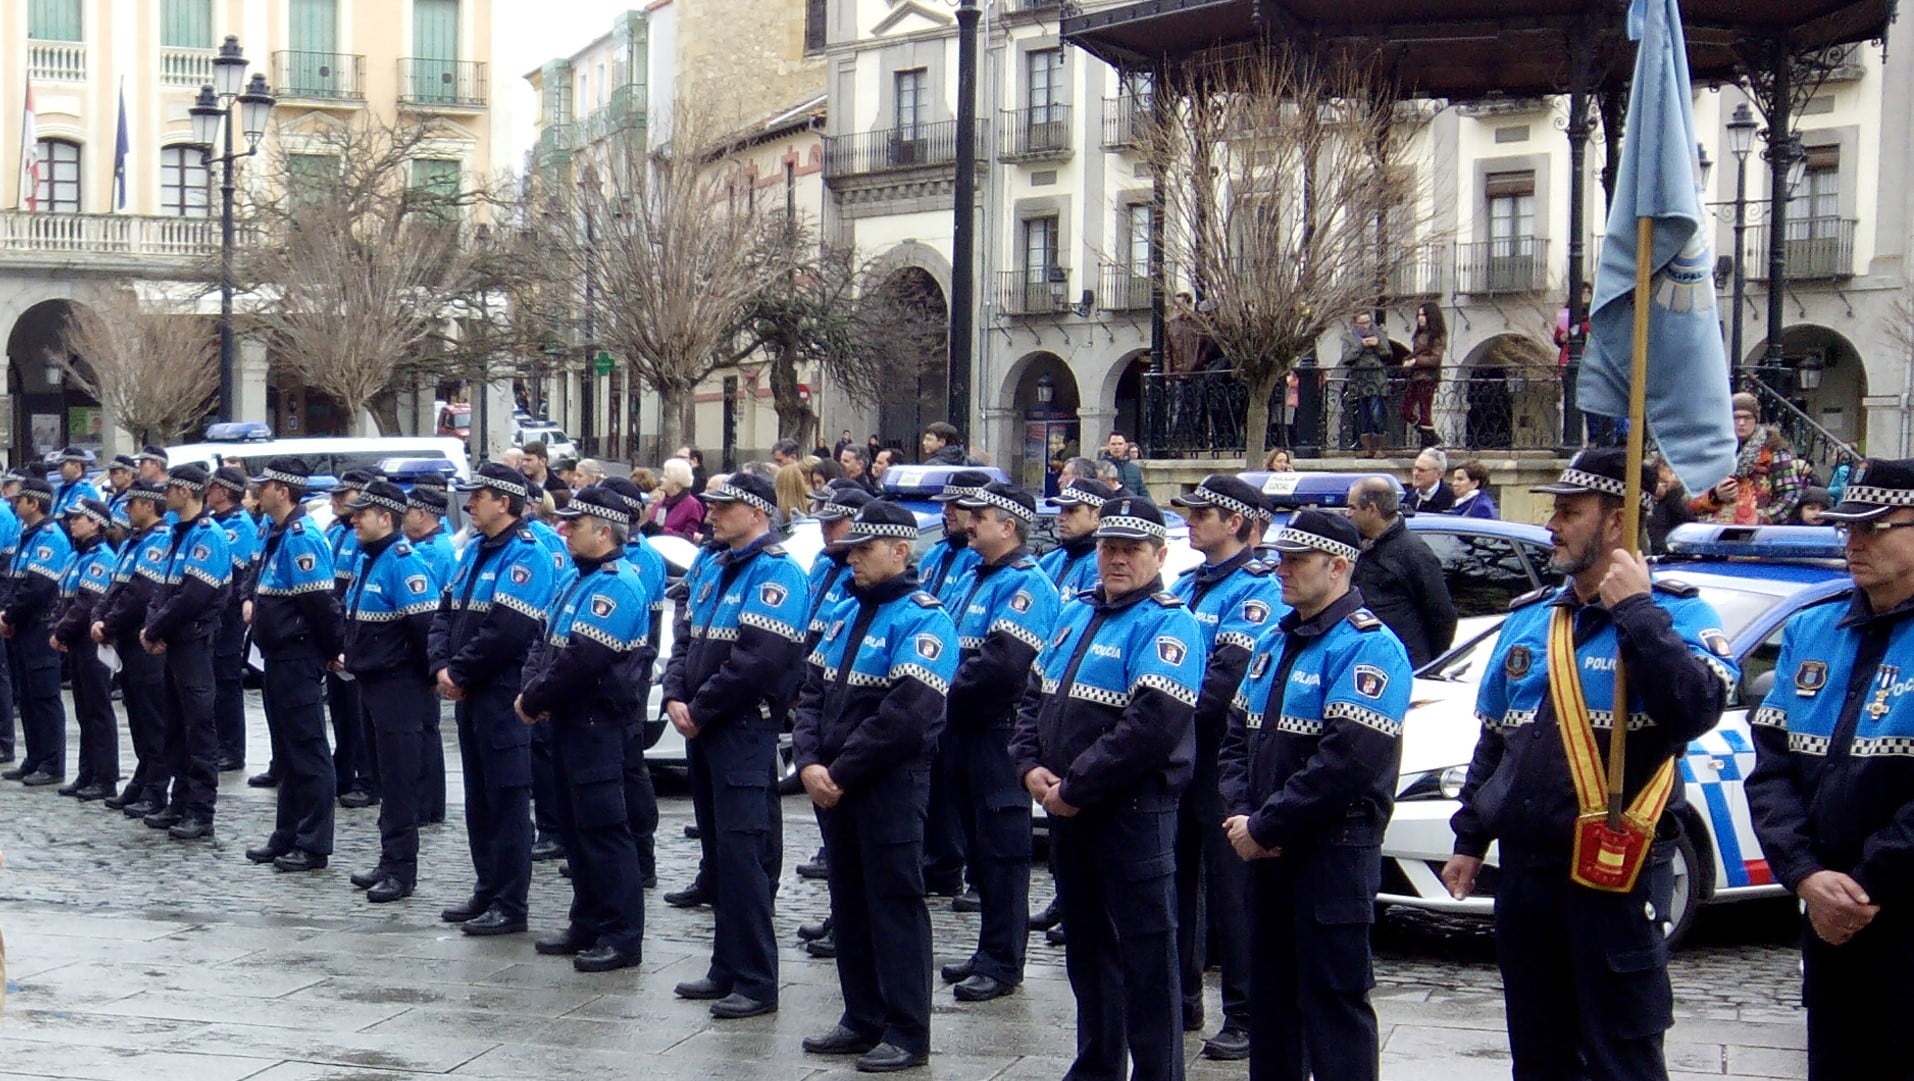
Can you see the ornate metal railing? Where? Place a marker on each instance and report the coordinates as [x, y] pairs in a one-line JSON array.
[[1123, 288], [1125, 120], [1515, 264], [425, 81], [1032, 134], [319, 76], [1422, 270], [1816, 249], [1039, 292], [896, 148]]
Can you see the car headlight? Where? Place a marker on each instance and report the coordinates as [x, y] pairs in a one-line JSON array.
[[1434, 784]]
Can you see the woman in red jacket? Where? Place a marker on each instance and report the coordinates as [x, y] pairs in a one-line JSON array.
[[1425, 370]]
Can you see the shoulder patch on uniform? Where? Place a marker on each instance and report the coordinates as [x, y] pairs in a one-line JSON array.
[[1020, 601], [417, 584], [1255, 612], [1364, 620], [1531, 597], [1257, 669], [1167, 599], [200, 551], [525, 533], [1172, 650], [774, 550], [1675, 587], [402, 548], [299, 526], [926, 600], [1370, 680], [305, 561], [603, 606], [772, 594], [928, 646], [1516, 662], [1716, 641], [520, 574]]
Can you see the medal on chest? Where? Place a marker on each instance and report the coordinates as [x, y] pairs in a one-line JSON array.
[[1883, 683]]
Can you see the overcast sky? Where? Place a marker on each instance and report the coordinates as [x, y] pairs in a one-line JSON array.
[[530, 32]]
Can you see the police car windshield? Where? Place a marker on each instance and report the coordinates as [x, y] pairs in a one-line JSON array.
[[1465, 663]]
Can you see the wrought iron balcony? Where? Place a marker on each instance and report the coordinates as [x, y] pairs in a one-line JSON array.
[[319, 76], [441, 84], [1034, 291], [1035, 134], [918, 147], [1816, 249], [1125, 119], [1422, 270], [1123, 288], [1505, 265]]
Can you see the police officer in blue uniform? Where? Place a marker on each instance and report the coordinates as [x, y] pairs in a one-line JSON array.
[[1833, 787], [937, 573], [736, 655], [641, 798], [137, 576], [181, 619], [1582, 949], [9, 547], [1072, 565], [1235, 601], [120, 474], [33, 591], [1104, 741], [425, 531], [296, 626], [73, 462], [226, 499], [388, 614], [1308, 771], [868, 719], [587, 679], [1005, 608], [489, 617], [351, 758], [88, 575]]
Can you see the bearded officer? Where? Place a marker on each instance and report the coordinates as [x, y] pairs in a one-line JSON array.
[[868, 718], [1308, 772], [1833, 787], [1581, 910], [137, 576], [1072, 565], [737, 652], [1104, 742], [1235, 602]]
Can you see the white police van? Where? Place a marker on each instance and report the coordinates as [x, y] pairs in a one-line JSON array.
[[253, 444]]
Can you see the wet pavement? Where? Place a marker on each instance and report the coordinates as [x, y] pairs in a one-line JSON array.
[[133, 956]]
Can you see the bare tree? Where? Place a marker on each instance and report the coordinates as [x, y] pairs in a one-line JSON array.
[[153, 367], [1279, 175]]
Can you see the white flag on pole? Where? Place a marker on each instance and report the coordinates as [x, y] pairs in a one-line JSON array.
[[29, 158]]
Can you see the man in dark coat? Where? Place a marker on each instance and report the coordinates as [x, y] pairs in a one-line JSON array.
[[1400, 578]]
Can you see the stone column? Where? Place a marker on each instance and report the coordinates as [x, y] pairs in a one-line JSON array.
[[249, 397]]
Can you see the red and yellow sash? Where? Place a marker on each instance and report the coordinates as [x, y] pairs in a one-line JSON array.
[[1606, 859]]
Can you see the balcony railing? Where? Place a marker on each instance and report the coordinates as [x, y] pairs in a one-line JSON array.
[[922, 146], [1034, 134], [319, 76], [1031, 6], [1125, 119], [107, 234], [1515, 264], [623, 111], [1123, 288], [186, 67], [430, 83], [1817, 249], [1042, 291], [57, 61], [1421, 271]]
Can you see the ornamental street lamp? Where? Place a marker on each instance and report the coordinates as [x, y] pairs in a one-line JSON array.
[[214, 118]]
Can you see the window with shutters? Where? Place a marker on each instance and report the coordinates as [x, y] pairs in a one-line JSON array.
[[59, 177], [1512, 256], [310, 177], [314, 28], [435, 188], [186, 24], [435, 50], [815, 12], [1819, 241], [1039, 264], [54, 20], [185, 182], [910, 118]]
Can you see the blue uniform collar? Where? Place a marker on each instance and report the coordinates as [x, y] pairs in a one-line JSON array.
[[1098, 598], [1337, 611], [1211, 573], [730, 556], [1010, 558], [588, 564], [375, 549], [1080, 547], [1860, 613], [886, 591]]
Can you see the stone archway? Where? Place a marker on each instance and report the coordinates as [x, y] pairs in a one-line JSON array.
[[1046, 431], [50, 410], [1505, 396], [1823, 375], [918, 392]]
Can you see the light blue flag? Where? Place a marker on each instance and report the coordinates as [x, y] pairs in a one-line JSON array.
[[1660, 177], [121, 147]]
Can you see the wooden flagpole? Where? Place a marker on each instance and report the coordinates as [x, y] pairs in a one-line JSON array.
[[1631, 501]]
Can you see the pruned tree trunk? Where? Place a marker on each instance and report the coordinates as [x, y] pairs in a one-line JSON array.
[[1256, 418], [795, 419], [384, 407]]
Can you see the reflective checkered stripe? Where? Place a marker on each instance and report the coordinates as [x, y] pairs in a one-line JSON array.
[[1252, 718], [817, 658], [1880, 497], [855, 678], [1299, 726], [1882, 746], [769, 625], [607, 639], [529, 611], [1046, 685], [1769, 717], [363, 616], [1515, 718], [1362, 715], [294, 591], [1099, 696], [1015, 630], [1803, 743], [1599, 718], [969, 643], [922, 675], [1166, 685], [716, 634], [1722, 672], [1235, 638]]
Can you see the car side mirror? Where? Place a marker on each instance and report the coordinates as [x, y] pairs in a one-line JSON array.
[[1755, 691]]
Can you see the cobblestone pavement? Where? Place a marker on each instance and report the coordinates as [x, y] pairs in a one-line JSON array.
[[136, 957]]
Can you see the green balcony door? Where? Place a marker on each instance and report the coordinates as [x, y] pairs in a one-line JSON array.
[[313, 69], [435, 51], [54, 20], [186, 24]]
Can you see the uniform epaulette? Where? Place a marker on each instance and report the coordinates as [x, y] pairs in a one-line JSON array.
[[1167, 599], [1084, 594], [774, 550], [1531, 597], [527, 535], [1364, 620], [1025, 563], [926, 600], [1676, 587], [1259, 568], [299, 526], [403, 548]]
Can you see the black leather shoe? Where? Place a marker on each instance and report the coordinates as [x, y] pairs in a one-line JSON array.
[[469, 909], [606, 959], [13, 774], [824, 948], [140, 809], [814, 869], [365, 880], [1229, 1045], [890, 1058], [264, 854], [389, 890], [563, 944], [957, 972], [980, 988], [191, 829], [547, 850], [71, 789], [38, 779], [811, 932], [118, 802], [262, 780], [691, 831], [356, 800], [89, 793], [299, 860], [5, 757], [1046, 918], [163, 819], [494, 922], [564, 868], [735, 1006], [701, 989], [690, 897], [839, 1041], [1193, 1017], [228, 765], [650, 882], [1054, 936], [968, 901]]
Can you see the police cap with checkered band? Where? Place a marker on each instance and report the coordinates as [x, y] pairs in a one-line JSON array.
[[880, 519], [1600, 470], [1229, 495], [1879, 486], [1319, 531]]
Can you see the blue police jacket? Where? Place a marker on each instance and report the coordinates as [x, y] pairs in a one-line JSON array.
[[88, 576], [1679, 670], [944, 564], [389, 609], [737, 649], [138, 575], [1235, 602], [116, 509], [295, 614], [873, 694], [1071, 567], [594, 664], [552, 541], [35, 574], [9, 545], [830, 574], [493, 610], [438, 554], [345, 554], [1315, 734], [242, 542], [68, 493], [656, 574], [199, 578], [1833, 784], [1004, 612], [1114, 699]]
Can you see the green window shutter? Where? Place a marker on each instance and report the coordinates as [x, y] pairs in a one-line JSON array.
[[310, 176], [187, 24], [315, 26], [435, 50], [54, 20], [436, 182]]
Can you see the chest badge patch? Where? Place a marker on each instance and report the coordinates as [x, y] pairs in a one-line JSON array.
[[520, 575], [1063, 635], [1716, 641], [1883, 683], [1810, 678], [1020, 602], [772, 594], [1370, 680], [305, 562], [1256, 612], [704, 594], [603, 606], [1517, 662], [1171, 650], [928, 647]]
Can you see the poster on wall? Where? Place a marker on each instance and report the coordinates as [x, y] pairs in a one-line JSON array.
[[85, 425], [46, 434], [1047, 442]]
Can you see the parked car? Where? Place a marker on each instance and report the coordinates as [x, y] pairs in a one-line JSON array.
[[455, 421], [558, 445]]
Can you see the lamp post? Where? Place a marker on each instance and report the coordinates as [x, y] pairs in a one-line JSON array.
[[213, 119], [1787, 164], [1741, 133]]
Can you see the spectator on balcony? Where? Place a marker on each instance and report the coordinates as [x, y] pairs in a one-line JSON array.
[[1472, 498], [1765, 488], [943, 445], [1813, 501], [1129, 474], [1428, 493], [1365, 356], [1277, 461], [1399, 576], [1426, 347], [1670, 508]]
